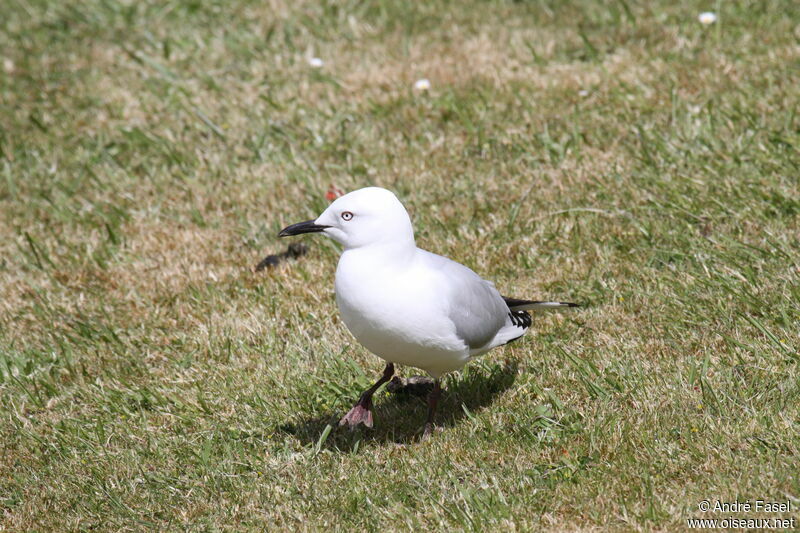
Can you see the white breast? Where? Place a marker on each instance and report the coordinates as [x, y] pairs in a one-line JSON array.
[[390, 307]]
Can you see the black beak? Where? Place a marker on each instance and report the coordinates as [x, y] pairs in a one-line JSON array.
[[302, 227]]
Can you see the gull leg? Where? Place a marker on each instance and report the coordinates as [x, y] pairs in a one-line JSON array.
[[361, 413], [433, 401]]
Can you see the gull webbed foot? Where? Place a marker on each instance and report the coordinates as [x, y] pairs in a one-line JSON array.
[[359, 414]]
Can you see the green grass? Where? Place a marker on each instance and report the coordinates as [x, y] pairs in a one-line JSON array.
[[617, 154]]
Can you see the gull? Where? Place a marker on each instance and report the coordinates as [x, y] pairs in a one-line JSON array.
[[406, 305]]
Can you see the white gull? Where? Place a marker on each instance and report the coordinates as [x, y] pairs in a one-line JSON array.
[[406, 305]]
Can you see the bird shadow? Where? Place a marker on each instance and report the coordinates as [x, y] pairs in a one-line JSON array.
[[399, 418]]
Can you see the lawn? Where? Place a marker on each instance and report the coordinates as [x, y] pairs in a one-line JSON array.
[[618, 154]]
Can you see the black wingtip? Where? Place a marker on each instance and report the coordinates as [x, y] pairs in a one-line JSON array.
[[514, 303]]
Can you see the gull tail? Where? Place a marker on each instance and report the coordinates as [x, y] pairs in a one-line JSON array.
[[534, 305], [519, 320]]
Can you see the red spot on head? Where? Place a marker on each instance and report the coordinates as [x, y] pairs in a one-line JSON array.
[[333, 193]]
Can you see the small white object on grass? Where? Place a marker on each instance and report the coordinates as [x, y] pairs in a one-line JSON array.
[[423, 84], [315, 62], [406, 305], [707, 18]]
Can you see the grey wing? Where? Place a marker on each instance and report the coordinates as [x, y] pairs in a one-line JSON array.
[[474, 305]]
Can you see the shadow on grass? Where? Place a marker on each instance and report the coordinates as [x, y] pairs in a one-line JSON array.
[[399, 418]]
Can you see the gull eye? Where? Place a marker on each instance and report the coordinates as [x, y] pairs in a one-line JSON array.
[[347, 215]]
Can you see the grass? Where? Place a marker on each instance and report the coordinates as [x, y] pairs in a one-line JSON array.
[[617, 154]]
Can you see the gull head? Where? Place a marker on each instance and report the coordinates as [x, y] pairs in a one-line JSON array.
[[369, 216]]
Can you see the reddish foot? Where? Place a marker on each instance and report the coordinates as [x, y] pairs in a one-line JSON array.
[[357, 415]]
